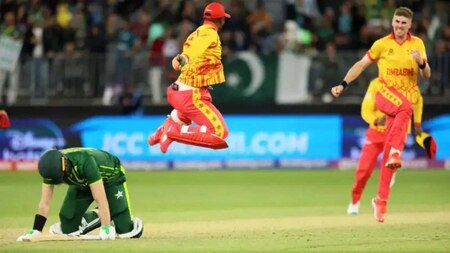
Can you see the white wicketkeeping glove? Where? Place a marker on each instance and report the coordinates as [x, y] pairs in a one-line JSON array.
[[30, 233], [107, 232]]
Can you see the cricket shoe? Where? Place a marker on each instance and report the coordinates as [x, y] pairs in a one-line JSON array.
[[56, 230], [379, 209], [155, 137], [353, 209], [89, 221], [394, 162], [168, 126], [138, 229]]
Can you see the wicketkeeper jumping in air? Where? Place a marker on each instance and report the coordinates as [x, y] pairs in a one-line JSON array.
[[201, 67], [91, 174]]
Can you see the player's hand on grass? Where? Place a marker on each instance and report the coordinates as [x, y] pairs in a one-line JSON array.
[[107, 232], [337, 90], [30, 233]]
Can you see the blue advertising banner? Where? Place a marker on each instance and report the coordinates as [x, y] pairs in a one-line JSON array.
[[27, 139], [255, 141], [265, 137]]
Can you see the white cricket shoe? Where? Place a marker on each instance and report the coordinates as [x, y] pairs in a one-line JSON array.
[[353, 209], [56, 230]]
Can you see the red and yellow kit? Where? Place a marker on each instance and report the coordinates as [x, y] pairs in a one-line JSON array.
[[204, 52], [192, 99], [370, 113], [375, 137], [396, 66], [201, 67]]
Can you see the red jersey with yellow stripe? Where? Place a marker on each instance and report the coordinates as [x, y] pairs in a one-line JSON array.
[[396, 66], [370, 113], [204, 52]]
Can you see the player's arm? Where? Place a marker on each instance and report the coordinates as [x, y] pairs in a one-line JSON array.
[[368, 107], [107, 232], [425, 72], [99, 195], [95, 181], [46, 199], [420, 56], [424, 67], [41, 216], [353, 73], [368, 114], [417, 114], [195, 46], [369, 110], [357, 68]]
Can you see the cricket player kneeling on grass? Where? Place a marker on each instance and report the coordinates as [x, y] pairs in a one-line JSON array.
[[92, 175]]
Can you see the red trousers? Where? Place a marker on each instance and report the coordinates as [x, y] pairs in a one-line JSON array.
[[398, 112], [195, 106], [373, 146]]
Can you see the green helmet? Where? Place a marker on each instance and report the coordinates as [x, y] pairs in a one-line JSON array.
[[51, 166]]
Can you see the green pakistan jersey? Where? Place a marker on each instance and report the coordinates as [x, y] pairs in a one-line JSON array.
[[90, 165]]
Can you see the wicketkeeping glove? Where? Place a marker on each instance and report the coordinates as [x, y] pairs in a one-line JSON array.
[[179, 61], [182, 60], [107, 232], [4, 120], [30, 233]]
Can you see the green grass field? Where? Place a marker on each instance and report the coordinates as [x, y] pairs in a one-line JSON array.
[[250, 211]]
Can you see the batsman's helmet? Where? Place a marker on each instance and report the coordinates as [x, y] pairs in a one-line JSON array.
[[215, 10], [427, 142], [52, 166]]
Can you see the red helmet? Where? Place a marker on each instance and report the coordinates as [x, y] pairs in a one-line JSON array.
[[215, 10]]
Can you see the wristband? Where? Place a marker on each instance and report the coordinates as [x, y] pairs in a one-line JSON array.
[[423, 65], [39, 222], [344, 84]]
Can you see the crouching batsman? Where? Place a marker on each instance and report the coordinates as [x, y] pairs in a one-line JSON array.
[[201, 67], [91, 174]]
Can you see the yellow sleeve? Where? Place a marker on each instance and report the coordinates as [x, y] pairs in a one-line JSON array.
[[375, 51], [368, 107], [197, 43], [418, 109]]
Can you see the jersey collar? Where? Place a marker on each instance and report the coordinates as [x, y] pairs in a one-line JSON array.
[[207, 22], [408, 37]]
